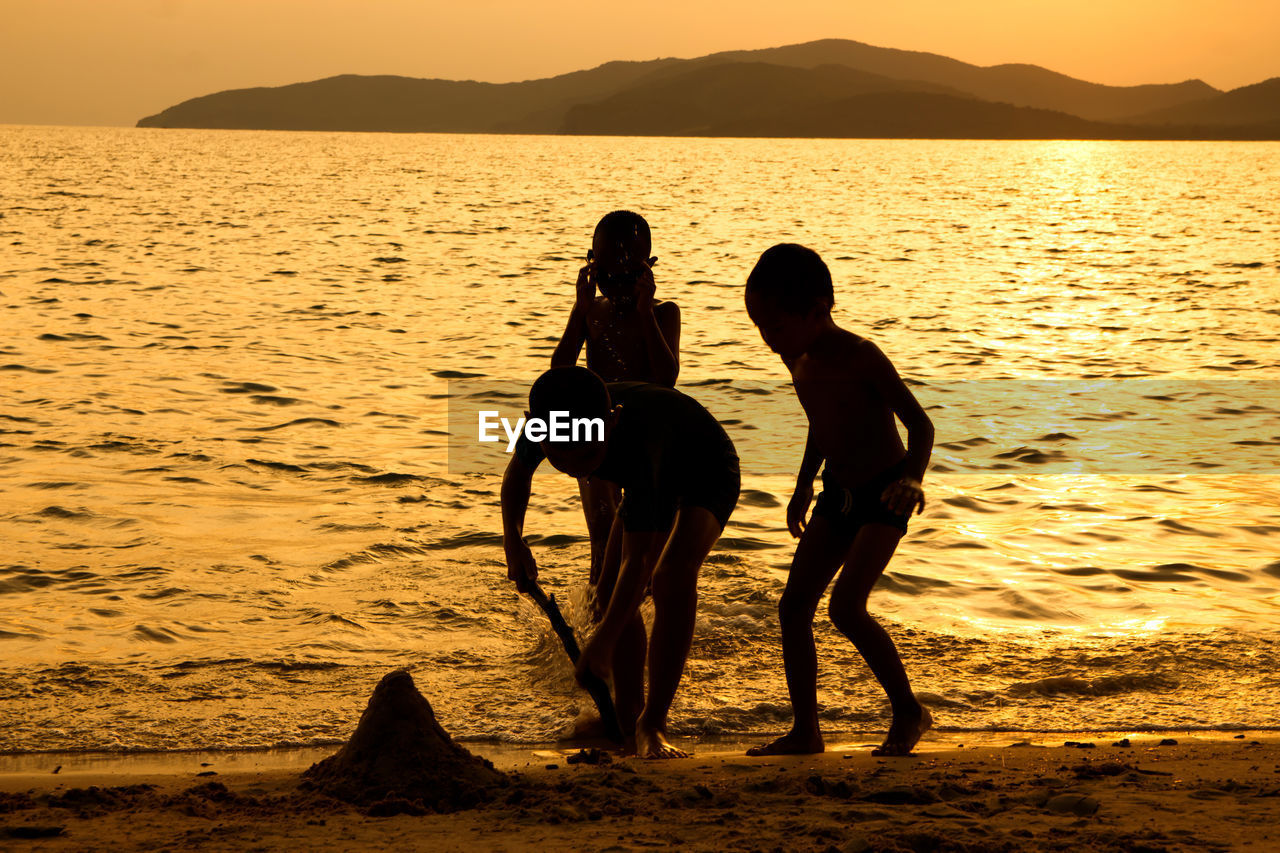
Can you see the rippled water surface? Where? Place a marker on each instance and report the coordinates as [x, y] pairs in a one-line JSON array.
[[224, 375]]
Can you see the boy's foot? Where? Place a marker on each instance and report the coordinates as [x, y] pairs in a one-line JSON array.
[[905, 732], [653, 743], [792, 743]]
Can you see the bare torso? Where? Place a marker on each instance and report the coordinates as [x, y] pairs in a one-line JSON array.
[[616, 344], [852, 425]]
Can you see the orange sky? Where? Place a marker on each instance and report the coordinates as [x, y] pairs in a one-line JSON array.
[[114, 61]]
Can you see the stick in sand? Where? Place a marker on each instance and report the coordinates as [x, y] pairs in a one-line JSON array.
[[594, 684]]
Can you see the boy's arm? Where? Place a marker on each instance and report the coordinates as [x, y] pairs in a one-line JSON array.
[[907, 494], [517, 484], [566, 352], [661, 327], [798, 508]]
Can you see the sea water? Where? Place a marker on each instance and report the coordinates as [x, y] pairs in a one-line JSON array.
[[231, 367]]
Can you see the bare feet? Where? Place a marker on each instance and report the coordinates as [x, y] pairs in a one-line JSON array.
[[653, 743], [905, 732], [792, 743]]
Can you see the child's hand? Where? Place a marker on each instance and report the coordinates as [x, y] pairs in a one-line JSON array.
[[798, 509], [586, 287], [520, 565], [904, 496]]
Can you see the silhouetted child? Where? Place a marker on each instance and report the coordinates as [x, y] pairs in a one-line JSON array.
[[678, 472], [629, 336], [870, 485]]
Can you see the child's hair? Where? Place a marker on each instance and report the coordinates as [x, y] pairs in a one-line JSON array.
[[624, 225], [575, 390], [793, 277]]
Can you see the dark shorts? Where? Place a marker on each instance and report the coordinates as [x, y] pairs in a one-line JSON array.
[[718, 494], [715, 489], [850, 508]]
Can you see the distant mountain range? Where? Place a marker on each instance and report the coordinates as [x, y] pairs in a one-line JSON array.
[[829, 88]]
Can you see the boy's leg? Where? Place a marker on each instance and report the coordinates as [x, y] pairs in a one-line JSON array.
[[628, 679], [872, 549], [675, 599], [629, 652], [606, 574], [818, 557], [599, 506]]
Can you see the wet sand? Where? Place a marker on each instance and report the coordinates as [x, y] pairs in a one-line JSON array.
[[1198, 794]]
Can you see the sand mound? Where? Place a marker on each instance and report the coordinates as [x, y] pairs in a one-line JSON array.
[[400, 754]]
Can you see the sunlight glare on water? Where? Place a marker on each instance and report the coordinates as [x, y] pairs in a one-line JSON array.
[[224, 424]]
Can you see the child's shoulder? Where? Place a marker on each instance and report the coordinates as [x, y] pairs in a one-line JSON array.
[[844, 352], [602, 309], [846, 346], [599, 308]]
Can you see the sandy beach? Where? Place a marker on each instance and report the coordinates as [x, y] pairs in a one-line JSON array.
[[1201, 793]]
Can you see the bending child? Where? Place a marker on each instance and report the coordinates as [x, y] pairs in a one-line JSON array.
[[629, 334], [851, 393], [678, 472]]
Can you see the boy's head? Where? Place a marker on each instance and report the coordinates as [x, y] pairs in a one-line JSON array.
[[619, 247], [583, 396], [789, 295]]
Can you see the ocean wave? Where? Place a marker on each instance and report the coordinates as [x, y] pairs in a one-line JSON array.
[[1068, 685]]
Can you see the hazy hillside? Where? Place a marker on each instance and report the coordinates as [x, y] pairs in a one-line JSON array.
[[767, 92], [1022, 85], [348, 102], [1258, 103], [386, 103], [920, 115], [692, 102]]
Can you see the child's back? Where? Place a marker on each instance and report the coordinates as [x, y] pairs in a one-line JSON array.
[[850, 422]]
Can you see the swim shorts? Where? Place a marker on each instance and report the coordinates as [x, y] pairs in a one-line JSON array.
[[850, 508]]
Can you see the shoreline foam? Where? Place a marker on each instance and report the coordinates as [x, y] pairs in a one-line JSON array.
[[506, 755]]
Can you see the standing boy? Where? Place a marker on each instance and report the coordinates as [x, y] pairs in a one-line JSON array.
[[678, 472], [870, 485], [629, 334]]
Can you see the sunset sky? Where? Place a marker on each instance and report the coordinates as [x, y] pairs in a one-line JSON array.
[[114, 61]]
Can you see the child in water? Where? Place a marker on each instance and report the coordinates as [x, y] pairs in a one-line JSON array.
[[629, 334], [851, 393], [678, 472]]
